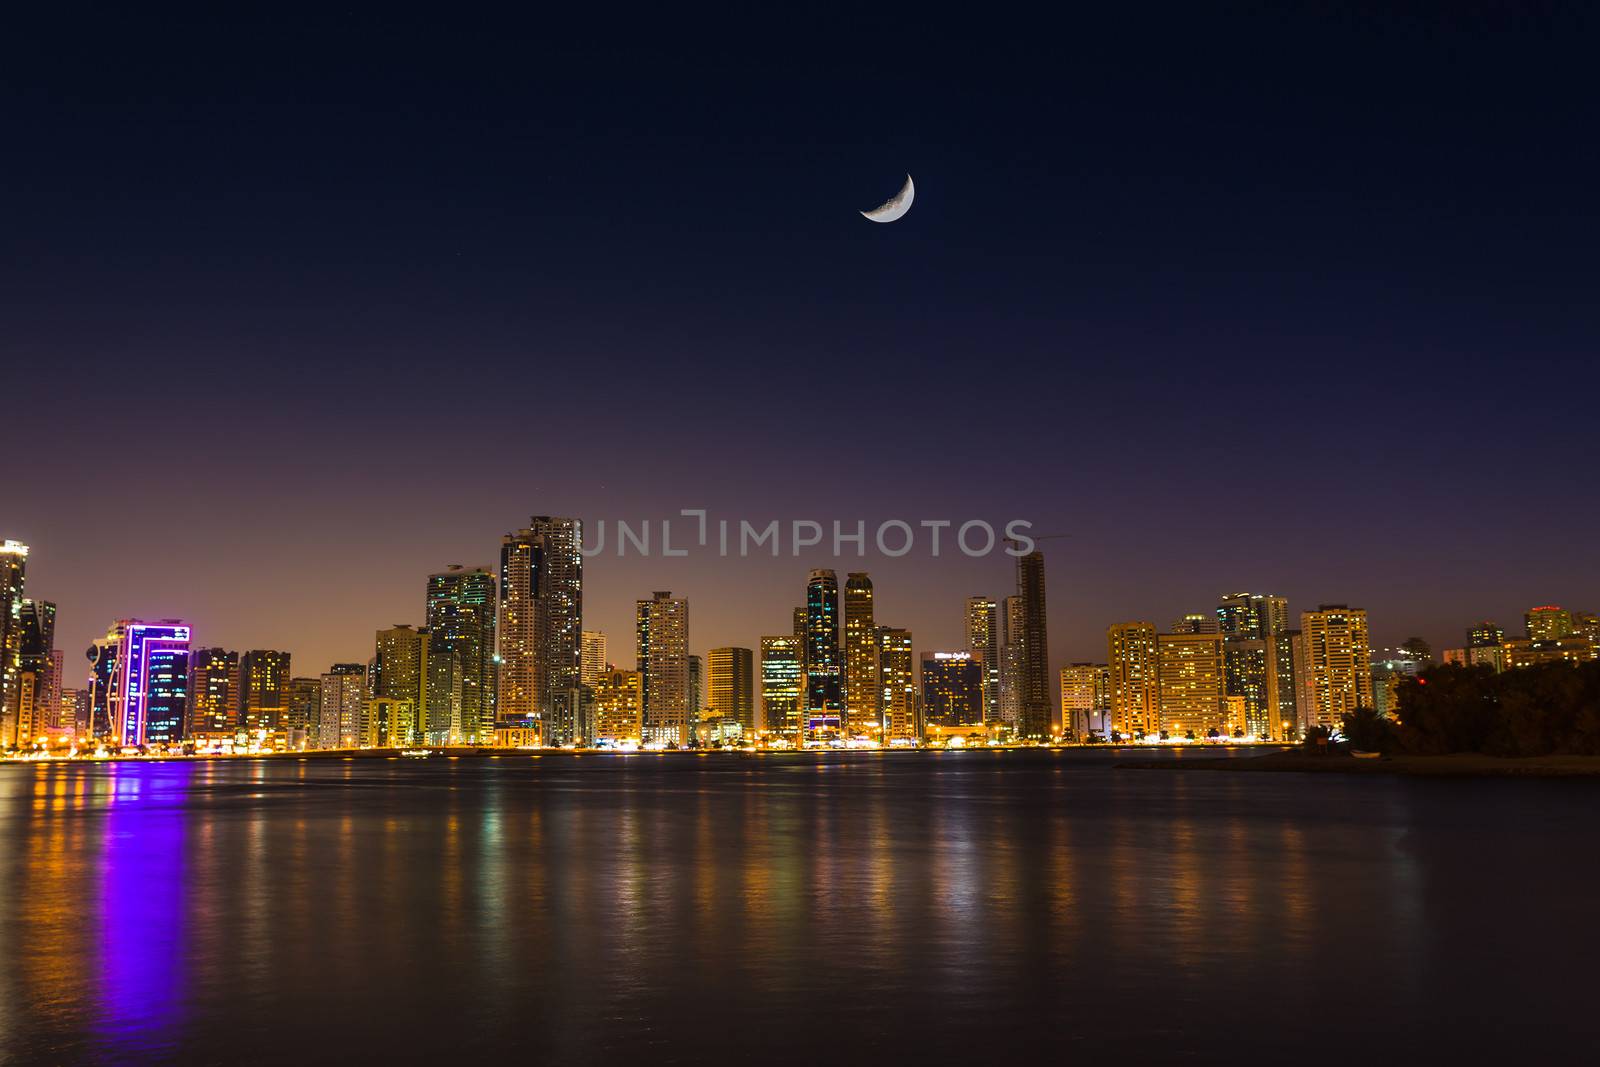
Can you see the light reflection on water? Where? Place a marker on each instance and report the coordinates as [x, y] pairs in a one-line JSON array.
[[782, 908]]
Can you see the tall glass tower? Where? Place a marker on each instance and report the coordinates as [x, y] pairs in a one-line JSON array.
[[824, 663]]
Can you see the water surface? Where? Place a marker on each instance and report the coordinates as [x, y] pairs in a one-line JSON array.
[[963, 907]]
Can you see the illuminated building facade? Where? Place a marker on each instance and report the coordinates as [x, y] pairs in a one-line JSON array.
[[1521, 652], [952, 693], [618, 707], [263, 688], [902, 719], [1550, 622], [1133, 667], [661, 627], [304, 720], [541, 620], [1192, 693], [593, 662], [1259, 661], [1085, 699], [13, 574], [1334, 672], [983, 641], [38, 679], [782, 680], [213, 693], [730, 688], [461, 619], [863, 691], [343, 706], [1034, 710], [1011, 660], [824, 687], [147, 686]]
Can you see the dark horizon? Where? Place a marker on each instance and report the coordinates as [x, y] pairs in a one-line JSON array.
[[1297, 303]]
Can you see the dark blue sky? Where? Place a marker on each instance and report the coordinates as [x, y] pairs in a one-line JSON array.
[[296, 308]]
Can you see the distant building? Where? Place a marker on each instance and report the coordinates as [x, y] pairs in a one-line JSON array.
[[824, 665], [143, 668], [388, 723], [1133, 668], [1258, 661], [1334, 671], [1195, 623], [38, 680], [1034, 711], [619, 707], [461, 610], [730, 675], [13, 572], [662, 635], [214, 686], [1192, 690], [697, 688], [1085, 699], [984, 641], [1521, 652], [952, 694], [1548, 623], [1011, 660], [541, 618], [593, 662], [303, 725], [782, 682], [901, 715], [343, 706], [863, 689], [264, 688]]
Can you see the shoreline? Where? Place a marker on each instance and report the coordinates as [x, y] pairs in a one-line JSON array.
[[1464, 765]]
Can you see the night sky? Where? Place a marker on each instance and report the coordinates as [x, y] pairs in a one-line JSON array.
[[295, 309]]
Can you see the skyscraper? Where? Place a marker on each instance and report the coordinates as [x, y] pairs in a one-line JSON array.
[[593, 657], [618, 707], [983, 641], [461, 617], [263, 688], [214, 711], [304, 720], [37, 680], [863, 689], [1335, 671], [1258, 661], [697, 688], [1033, 689], [730, 687], [662, 633], [902, 721], [1551, 622], [1192, 690], [952, 694], [144, 667], [541, 618], [782, 680], [1011, 661], [13, 571], [343, 706], [824, 693], [1132, 664]]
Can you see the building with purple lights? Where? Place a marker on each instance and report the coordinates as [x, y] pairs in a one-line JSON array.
[[148, 680]]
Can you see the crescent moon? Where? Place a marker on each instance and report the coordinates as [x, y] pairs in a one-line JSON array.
[[896, 206]]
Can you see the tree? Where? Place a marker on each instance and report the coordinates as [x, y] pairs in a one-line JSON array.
[[1368, 731]]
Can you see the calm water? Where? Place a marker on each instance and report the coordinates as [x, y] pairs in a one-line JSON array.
[[944, 908]]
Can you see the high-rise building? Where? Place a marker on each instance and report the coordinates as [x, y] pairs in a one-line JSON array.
[[541, 619], [38, 681], [1085, 699], [461, 617], [593, 662], [730, 676], [662, 633], [143, 669], [1197, 622], [618, 707], [983, 641], [1335, 673], [75, 712], [697, 688], [952, 693], [411, 666], [13, 574], [1258, 661], [343, 706], [824, 689], [263, 688], [214, 710], [782, 681], [1192, 691], [1033, 691], [1551, 622], [1133, 667], [902, 720], [1011, 661], [1521, 652], [863, 691], [800, 622], [304, 720]]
